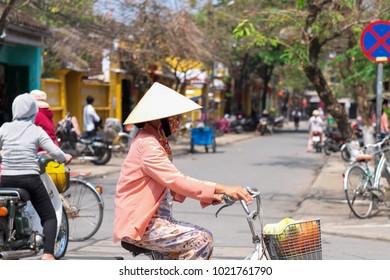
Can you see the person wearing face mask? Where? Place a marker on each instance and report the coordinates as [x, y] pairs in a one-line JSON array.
[[149, 182]]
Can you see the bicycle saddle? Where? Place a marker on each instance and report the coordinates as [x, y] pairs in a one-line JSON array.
[[363, 158]]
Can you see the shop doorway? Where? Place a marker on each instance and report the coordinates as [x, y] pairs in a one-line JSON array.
[[13, 81]]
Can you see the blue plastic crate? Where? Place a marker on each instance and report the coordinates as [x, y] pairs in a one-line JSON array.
[[202, 136]]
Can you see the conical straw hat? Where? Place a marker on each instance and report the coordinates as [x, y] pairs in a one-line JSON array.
[[160, 102]]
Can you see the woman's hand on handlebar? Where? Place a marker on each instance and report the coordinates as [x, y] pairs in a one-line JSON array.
[[68, 158], [234, 192], [218, 199]]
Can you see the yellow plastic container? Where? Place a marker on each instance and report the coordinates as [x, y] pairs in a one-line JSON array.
[[59, 173]]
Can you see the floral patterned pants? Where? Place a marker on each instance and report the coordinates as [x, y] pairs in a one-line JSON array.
[[175, 240]]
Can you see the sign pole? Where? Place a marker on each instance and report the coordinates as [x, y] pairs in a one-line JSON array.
[[379, 89]]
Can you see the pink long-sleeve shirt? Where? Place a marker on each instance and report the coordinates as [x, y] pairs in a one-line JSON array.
[[146, 176]]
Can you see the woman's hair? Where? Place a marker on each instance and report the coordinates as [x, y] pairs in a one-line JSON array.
[[166, 127], [140, 125], [164, 123], [90, 99]]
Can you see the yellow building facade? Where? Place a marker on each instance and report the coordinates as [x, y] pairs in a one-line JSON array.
[[67, 92]]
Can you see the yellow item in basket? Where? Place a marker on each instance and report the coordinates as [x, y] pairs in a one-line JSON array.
[[278, 227], [59, 173]]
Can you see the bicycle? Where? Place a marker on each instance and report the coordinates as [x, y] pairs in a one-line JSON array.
[[299, 240], [364, 189], [84, 207]]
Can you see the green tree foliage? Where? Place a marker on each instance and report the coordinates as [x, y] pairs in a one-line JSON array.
[[308, 30]]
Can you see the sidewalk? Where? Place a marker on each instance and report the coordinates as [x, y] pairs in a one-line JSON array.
[[326, 201]]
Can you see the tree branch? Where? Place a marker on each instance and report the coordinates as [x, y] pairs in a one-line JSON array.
[[3, 19]]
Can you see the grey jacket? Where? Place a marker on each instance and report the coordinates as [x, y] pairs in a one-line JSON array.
[[19, 139]]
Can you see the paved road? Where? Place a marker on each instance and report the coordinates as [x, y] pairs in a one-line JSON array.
[[323, 201]]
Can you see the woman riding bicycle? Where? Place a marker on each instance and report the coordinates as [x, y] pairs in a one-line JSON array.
[[149, 182]]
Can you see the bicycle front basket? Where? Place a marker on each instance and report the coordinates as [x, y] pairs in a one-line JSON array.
[[300, 240]]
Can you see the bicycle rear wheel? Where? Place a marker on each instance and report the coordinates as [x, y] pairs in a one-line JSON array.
[[84, 208], [357, 187]]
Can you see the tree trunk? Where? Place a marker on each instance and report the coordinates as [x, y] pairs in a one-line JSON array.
[[315, 75], [3, 18], [363, 105], [266, 78]]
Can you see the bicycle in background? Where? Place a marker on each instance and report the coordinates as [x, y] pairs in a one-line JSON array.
[[367, 185], [84, 207]]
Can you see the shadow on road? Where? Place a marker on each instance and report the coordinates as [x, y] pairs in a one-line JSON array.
[[290, 162]]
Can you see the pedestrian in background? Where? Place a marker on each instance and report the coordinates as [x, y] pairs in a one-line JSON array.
[[384, 120], [296, 114], [91, 118]]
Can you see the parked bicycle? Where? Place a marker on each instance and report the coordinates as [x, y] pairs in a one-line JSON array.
[[84, 206], [366, 186], [299, 240]]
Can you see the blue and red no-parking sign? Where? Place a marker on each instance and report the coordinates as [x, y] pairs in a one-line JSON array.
[[375, 41]]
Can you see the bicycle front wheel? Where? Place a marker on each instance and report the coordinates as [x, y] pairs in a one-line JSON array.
[[84, 208], [357, 187]]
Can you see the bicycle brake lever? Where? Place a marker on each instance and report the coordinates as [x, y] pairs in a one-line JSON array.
[[228, 202]]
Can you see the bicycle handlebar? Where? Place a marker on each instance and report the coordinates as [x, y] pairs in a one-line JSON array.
[[229, 202], [378, 144]]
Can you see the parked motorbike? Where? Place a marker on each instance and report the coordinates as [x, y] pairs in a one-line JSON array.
[[124, 138], [345, 152], [236, 124], [97, 149], [186, 124], [21, 234], [334, 142], [278, 123], [249, 124], [121, 138], [222, 125]]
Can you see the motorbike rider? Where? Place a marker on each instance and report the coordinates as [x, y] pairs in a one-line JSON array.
[[268, 117], [91, 118], [315, 124], [149, 182], [19, 141]]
